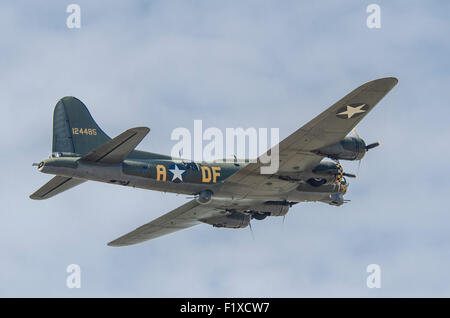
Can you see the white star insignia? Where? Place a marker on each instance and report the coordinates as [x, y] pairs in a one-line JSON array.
[[353, 110], [177, 173]]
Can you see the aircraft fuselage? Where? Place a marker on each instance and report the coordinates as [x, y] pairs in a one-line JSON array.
[[178, 176]]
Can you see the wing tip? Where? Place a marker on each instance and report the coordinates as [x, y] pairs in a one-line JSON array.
[[36, 196], [393, 80], [388, 82], [142, 129], [117, 243], [113, 243], [384, 84]]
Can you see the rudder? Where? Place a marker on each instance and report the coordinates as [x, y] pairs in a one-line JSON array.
[[74, 129]]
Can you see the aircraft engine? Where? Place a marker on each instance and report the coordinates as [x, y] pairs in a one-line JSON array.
[[326, 173], [349, 148], [272, 208], [235, 220], [204, 197]]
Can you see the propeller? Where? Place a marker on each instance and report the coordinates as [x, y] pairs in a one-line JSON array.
[[359, 165], [251, 230], [345, 174], [368, 147], [355, 133], [350, 175], [373, 145]]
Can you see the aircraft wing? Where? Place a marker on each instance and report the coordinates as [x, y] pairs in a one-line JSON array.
[[185, 216], [117, 149], [328, 128]]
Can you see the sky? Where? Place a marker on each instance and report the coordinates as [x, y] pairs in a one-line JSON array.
[[164, 64]]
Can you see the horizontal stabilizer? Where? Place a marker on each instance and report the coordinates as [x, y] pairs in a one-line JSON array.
[[55, 186], [117, 149]]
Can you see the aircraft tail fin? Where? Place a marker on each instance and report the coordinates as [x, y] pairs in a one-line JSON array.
[[74, 129]]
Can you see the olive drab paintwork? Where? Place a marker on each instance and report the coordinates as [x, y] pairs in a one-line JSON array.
[[225, 194], [76, 132], [190, 172], [74, 129]]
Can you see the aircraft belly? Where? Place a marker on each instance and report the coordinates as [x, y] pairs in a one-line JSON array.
[[297, 196], [167, 186], [273, 189]]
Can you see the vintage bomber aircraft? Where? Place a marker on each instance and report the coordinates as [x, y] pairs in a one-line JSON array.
[[225, 194]]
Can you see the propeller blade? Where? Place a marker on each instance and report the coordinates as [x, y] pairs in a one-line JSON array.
[[251, 230], [375, 144], [350, 175], [355, 133]]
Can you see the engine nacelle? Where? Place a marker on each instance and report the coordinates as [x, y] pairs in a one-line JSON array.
[[326, 173], [235, 220], [273, 208], [349, 148], [204, 197]]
